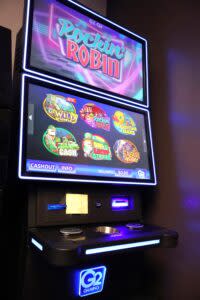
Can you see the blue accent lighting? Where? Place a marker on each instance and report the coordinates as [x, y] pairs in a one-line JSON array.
[[56, 206], [121, 203], [91, 281], [121, 247], [36, 244]]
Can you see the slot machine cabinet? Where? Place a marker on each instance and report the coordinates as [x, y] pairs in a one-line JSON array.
[[80, 173]]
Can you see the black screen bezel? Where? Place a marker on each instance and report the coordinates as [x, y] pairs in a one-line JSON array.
[[28, 79], [27, 56]]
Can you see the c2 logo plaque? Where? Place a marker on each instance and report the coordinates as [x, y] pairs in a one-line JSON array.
[[91, 281]]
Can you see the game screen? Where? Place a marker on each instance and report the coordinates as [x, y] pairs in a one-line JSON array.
[[74, 46], [70, 134]]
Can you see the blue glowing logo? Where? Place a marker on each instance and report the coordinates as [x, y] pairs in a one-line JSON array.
[[91, 281]]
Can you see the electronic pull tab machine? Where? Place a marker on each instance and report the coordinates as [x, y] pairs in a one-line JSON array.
[[85, 150]]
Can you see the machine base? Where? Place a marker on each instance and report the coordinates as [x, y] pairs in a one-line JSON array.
[[63, 250]]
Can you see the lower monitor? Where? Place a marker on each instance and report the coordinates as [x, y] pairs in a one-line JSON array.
[[70, 135]]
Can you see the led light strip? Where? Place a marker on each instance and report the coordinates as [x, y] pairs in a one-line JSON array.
[[152, 149], [120, 204], [121, 247], [78, 85], [36, 244]]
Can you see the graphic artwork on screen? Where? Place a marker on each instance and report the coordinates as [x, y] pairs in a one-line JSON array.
[[126, 151], [67, 43], [69, 133], [124, 123], [95, 117], [96, 147], [60, 108], [60, 141]]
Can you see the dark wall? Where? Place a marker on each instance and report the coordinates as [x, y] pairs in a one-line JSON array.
[[5, 107], [173, 30]]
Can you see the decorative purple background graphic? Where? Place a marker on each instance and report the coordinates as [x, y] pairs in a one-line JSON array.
[[48, 51]]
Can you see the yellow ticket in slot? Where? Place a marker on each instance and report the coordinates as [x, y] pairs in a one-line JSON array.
[[76, 204]]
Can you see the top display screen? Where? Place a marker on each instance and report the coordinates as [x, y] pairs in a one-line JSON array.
[[65, 41]]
